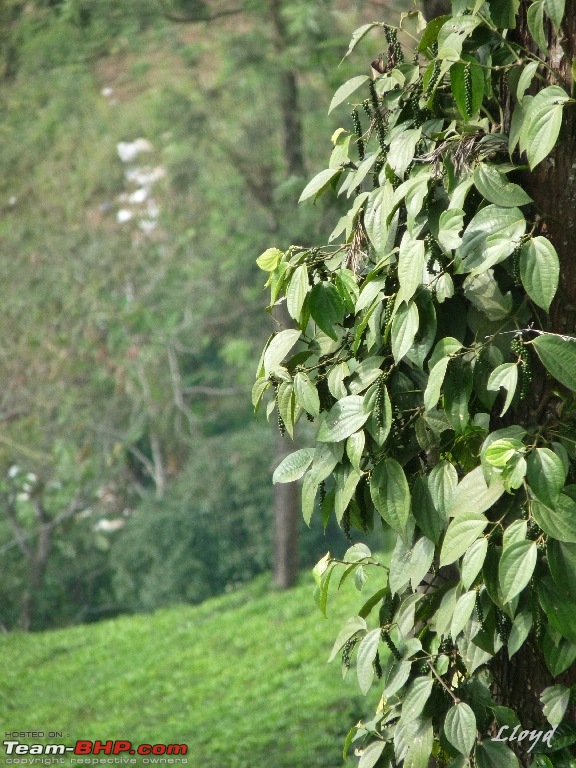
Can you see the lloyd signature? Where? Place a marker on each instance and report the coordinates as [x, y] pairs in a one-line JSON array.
[[533, 736]]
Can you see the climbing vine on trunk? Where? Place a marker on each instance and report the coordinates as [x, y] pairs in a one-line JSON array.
[[443, 400]]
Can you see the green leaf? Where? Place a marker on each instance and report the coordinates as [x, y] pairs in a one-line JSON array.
[[474, 494], [404, 329], [286, 404], [452, 35], [516, 568], [460, 727], [540, 270], [542, 122], [443, 482], [355, 448], [366, 654], [378, 209], [559, 657], [296, 292], [345, 417], [494, 754], [347, 89], [555, 701], [371, 754], [449, 227], [525, 79], [430, 520], [461, 532], [390, 494], [477, 252], [561, 558], [483, 292], [309, 491], [558, 355], [402, 150], [535, 19], [411, 262], [415, 698], [353, 625], [345, 484], [260, 386], [421, 560], [434, 384], [504, 13], [306, 394], [327, 308], [473, 561], [458, 77], [462, 612], [558, 521], [268, 261], [519, 632], [358, 34], [319, 183], [280, 344], [326, 457], [555, 11], [506, 376], [501, 452], [496, 188], [559, 607], [293, 466], [546, 475]]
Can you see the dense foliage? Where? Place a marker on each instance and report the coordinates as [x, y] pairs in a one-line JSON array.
[[444, 404]]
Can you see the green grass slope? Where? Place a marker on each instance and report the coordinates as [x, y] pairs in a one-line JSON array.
[[240, 679]]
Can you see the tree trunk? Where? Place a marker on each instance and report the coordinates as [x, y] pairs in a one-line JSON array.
[[552, 185], [286, 496]]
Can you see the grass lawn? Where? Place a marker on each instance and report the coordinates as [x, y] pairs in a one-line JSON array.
[[241, 679]]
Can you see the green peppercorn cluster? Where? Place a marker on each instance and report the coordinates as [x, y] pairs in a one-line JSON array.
[[358, 131], [348, 650], [523, 355], [503, 625], [468, 89]]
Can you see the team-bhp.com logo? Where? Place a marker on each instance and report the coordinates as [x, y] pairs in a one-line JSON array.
[[18, 753]]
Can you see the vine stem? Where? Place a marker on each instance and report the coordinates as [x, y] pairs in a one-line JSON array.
[[455, 698]]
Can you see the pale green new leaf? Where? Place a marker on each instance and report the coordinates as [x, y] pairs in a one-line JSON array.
[[558, 355], [293, 466], [461, 532], [540, 270], [460, 727], [516, 568], [506, 376], [268, 261], [346, 89]]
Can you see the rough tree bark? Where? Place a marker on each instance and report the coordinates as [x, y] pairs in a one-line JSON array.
[[552, 185], [286, 503]]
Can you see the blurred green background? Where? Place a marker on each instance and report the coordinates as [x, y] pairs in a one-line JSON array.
[[149, 151]]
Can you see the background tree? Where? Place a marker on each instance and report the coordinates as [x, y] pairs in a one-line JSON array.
[[427, 347]]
